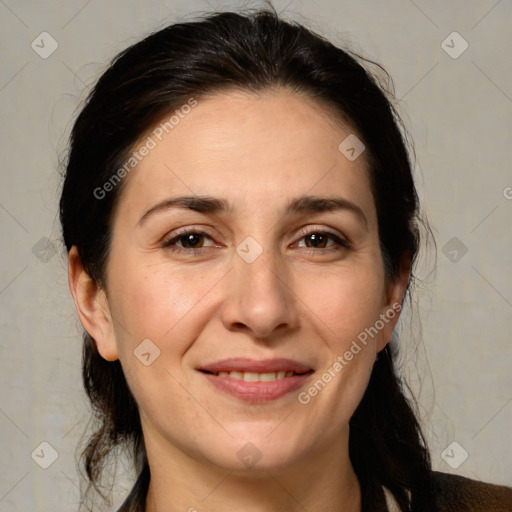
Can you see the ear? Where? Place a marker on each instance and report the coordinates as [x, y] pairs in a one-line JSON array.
[[392, 303], [92, 307]]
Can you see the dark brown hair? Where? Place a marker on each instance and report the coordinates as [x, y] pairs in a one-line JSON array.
[[251, 51]]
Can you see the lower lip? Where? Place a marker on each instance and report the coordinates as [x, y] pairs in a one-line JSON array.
[[258, 392]]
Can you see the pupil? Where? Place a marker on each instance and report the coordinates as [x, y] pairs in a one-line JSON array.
[[192, 239], [316, 240]]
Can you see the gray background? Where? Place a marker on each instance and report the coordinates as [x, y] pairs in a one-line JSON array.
[[459, 111]]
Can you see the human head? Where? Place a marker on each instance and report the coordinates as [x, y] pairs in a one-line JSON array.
[[158, 76]]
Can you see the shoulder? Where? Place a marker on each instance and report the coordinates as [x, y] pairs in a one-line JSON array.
[[454, 493], [136, 500]]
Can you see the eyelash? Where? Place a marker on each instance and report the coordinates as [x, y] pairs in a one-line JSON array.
[[343, 244]]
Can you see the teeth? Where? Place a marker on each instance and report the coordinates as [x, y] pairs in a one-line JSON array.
[[252, 377], [255, 377]]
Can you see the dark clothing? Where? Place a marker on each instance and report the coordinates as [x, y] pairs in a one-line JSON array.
[[452, 493], [458, 494]]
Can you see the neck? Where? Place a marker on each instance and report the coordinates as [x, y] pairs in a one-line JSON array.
[[317, 483]]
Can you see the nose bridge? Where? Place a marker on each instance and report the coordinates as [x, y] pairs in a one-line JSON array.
[[262, 275]]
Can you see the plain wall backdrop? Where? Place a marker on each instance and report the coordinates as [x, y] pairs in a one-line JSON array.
[[457, 104]]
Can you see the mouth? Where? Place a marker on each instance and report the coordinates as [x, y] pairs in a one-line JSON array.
[[256, 381], [253, 376]]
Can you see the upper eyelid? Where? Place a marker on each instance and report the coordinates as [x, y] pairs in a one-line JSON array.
[[328, 231]]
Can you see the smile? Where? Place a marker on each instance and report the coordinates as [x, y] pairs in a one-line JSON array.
[[256, 386], [255, 377]]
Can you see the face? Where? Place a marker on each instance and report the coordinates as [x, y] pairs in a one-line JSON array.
[[276, 270]]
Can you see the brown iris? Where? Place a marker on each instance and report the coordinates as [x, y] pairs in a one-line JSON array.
[[318, 240]]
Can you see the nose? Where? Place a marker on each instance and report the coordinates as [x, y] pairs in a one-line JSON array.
[[259, 301]]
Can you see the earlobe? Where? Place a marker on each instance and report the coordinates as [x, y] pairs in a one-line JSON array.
[[92, 307], [392, 308]]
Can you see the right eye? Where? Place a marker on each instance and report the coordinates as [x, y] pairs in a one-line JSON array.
[[189, 240]]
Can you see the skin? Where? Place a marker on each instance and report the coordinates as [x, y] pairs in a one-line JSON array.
[[294, 301]]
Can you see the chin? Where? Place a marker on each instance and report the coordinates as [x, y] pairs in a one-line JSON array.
[[258, 447]]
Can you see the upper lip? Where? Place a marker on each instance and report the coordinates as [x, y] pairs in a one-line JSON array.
[[241, 364]]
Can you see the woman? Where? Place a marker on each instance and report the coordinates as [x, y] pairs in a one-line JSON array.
[[242, 227]]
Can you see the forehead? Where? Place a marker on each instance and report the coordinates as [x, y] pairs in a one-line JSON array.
[[245, 146]]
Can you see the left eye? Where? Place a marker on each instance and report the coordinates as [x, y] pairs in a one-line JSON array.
[[319, 240]]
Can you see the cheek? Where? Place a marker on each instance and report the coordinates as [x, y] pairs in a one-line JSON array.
[[170, 308], [156, 302], [343, 302]]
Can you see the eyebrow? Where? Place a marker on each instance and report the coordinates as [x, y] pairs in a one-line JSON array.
[[214, 205], [202, 204]]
